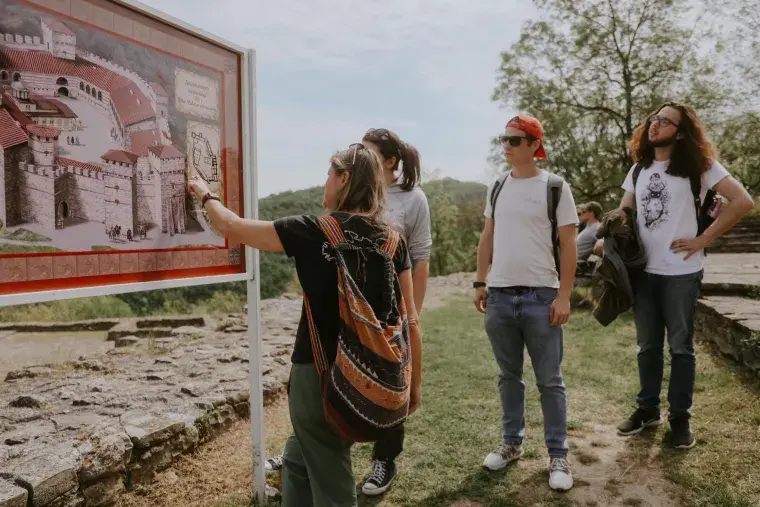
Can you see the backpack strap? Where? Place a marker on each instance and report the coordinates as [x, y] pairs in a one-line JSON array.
[[635, 175], [331, 229], [496, 190], [553, 193], [320, 358]]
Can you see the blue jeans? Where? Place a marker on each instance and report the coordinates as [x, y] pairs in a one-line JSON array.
[[518, 319], [666, 303]]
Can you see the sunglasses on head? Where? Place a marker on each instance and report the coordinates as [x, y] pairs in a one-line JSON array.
[[514, 140], [383, 134], [662, 121], [355, 146]]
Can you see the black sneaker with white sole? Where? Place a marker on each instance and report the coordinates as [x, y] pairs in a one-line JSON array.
[[681, 436], [383, 473], [638, 421]]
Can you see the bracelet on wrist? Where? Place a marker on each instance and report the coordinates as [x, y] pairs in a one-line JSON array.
[[209, 197]]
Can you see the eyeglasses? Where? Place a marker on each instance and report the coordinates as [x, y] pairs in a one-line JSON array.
[[514, 140], [662, 121]]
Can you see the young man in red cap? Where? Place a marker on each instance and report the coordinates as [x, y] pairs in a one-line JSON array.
[[528, 253]]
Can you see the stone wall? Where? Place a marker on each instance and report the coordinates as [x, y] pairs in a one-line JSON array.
[[173, 192], [84, 195], [146, 199], [119, 198], [82, 434], [36, 197], [732, 324]]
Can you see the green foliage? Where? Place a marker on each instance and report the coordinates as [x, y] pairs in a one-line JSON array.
[[71, 309], [740, 149], [456, 220], [592, 70]]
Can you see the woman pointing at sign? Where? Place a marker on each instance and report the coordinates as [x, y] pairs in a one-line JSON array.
[[356, 370]]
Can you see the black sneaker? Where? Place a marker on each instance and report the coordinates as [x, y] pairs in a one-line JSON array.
[[681, 436], [638, 421], [383, 473], [273, 464]]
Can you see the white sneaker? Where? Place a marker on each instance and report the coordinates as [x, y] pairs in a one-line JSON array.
[[560, 477], [503, 456]]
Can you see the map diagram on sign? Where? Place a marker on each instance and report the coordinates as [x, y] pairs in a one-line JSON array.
[[203, 147], [204, 158]]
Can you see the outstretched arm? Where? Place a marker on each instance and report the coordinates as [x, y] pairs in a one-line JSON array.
[[258, 234]]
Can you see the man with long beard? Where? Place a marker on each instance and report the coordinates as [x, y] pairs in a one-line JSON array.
[[675, 167]]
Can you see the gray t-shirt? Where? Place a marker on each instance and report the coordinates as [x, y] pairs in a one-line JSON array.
[[586, 241], [408, 213]]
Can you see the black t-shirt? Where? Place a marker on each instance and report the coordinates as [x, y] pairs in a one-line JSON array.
[[303, 240]]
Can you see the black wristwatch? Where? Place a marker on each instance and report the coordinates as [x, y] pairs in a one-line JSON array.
[[209, 196], [477, 285]]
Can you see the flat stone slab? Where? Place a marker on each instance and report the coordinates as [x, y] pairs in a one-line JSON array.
[[741, 311], [11, 495], [727, 273], [48, 476], [66, 431]]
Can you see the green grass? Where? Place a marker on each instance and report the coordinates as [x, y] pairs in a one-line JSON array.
[[101, 248], [220, 303], [460, 421], [7, 248], [22, 234]]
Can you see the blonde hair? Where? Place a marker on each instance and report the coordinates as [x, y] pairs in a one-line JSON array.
[[364, 194]]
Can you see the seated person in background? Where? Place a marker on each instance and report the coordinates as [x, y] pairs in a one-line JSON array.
[[589, 215]]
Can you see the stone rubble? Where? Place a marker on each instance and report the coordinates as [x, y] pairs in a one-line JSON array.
[[79, 434]]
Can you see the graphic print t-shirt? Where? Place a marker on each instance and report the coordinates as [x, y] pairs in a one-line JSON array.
[[665, 208], [304, 241]]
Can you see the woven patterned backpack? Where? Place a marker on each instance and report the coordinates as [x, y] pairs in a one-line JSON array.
[[365, 390]]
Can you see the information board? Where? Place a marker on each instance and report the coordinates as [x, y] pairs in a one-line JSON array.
[[106, 109]]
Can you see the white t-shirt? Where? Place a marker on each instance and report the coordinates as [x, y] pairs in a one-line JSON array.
[[522, 243], [666, 212]]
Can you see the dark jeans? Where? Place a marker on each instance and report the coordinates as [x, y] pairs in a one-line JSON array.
[[391, 446], [666, 303]]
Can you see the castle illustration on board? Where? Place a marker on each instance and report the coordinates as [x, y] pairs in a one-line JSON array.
[[86, 145]]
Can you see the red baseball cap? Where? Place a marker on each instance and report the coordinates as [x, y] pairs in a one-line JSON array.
[[532, 127]]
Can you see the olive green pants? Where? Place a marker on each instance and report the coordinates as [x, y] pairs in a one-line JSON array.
[[316, 469]]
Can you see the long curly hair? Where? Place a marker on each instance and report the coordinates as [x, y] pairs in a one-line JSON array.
[[693, 153]]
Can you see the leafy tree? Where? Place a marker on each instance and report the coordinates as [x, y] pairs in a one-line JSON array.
[[740, 149], [592, 71]]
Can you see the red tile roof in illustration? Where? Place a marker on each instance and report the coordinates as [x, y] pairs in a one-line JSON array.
[[159, 89], [14, 110], [122, 156], [10, 133], [52, 104], [144, 139], [57, 26], [42, 131], [131, 105], [166, 151], [90, 166]]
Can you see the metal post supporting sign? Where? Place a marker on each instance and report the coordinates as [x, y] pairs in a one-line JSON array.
[[252, 260]]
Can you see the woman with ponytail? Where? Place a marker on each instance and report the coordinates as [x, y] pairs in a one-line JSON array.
[[406, 211]]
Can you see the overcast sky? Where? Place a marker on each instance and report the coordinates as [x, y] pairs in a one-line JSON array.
[[330, 69]]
